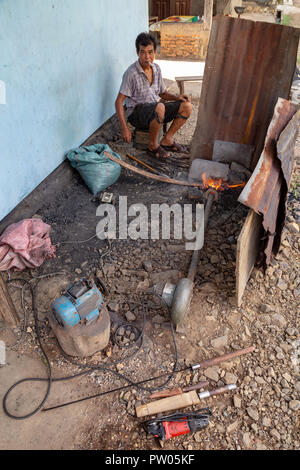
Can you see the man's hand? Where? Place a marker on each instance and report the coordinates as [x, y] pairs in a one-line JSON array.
[[170, 97], [126, 134], [184, 98]]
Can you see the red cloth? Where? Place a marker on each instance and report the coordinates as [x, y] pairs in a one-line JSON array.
[[25, 244]]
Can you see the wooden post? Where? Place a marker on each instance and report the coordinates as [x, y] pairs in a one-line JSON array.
[[208, 14], [7, 310]]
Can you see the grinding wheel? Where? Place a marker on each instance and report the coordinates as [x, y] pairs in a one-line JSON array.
[[181, 300]]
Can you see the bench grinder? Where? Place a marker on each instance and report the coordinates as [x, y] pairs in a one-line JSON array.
[[80, 320], [178, 297]]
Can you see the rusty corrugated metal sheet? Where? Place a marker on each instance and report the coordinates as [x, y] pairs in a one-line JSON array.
[[248, 66], [266, 191]]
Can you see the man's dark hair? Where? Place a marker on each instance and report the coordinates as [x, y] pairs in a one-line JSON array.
[[145, 39]]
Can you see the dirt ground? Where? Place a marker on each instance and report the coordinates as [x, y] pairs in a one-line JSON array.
[[263, 414]]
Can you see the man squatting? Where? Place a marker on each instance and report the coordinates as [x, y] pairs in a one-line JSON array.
[[142, 87]]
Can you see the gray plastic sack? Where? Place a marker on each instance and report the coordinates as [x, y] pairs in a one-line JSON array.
[[97, 171]]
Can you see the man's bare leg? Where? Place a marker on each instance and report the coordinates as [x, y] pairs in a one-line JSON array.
[[185, 110], [155, 126]]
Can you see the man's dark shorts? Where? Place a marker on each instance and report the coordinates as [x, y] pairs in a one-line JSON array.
[[143, 114]]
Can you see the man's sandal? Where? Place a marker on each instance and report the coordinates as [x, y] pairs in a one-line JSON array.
[[159, 153], [175, 148]]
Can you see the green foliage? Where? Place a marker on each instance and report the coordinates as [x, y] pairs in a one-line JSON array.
[[295, 187], [286, 20]]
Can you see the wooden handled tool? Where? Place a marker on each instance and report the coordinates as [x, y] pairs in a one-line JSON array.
[[168, 404], [179, 401], [179, 391]]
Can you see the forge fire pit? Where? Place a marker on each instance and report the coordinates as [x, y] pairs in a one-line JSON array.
[[229, 167]]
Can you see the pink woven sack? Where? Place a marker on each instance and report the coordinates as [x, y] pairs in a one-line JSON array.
[[25, 244]]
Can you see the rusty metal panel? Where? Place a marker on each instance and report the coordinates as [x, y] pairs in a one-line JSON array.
[[248, 66], [266, 191]]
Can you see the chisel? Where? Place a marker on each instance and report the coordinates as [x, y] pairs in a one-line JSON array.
[[179, 401], [179, 391]]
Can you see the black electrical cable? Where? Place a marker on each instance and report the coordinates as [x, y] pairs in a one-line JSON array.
[[33, 379], [50, 379], [89, 368]]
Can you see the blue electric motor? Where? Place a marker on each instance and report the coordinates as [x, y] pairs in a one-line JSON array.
[[81, 303]]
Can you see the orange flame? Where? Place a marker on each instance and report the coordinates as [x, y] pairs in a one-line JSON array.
[[219, 184]]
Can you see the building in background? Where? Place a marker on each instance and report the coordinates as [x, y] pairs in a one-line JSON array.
[[165, 8]]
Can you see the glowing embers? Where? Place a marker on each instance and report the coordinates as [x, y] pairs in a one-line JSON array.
[[219, 183]]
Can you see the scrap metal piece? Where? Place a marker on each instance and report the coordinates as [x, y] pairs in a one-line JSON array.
[[266, 191], [107, 198]]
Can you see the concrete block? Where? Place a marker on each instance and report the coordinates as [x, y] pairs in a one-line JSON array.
[[209, 168], [227, 152]]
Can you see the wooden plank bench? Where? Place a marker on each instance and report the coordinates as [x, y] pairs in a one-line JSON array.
[[180, 81]]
